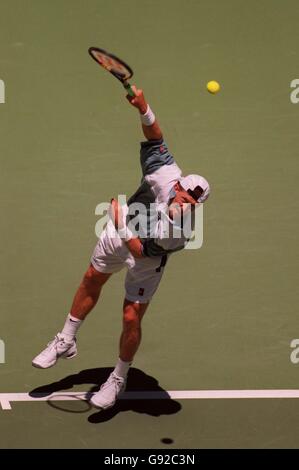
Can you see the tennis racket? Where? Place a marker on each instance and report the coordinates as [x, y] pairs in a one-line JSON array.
[[114, 65]]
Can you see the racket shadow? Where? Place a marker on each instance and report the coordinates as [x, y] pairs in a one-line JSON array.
[[138, 383]]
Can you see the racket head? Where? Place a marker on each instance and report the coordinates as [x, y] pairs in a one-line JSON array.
[[111, 63]]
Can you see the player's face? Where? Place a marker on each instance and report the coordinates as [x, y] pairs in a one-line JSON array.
[[182, 203]]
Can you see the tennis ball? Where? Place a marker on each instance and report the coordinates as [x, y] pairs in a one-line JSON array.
[[213, 87]]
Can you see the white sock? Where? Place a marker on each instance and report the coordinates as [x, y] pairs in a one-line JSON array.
[[71, 327], [122, 368]]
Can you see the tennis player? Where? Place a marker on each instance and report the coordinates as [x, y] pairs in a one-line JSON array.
[[144, 255]]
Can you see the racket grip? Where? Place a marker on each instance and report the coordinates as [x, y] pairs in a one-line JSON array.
[[129, 89]]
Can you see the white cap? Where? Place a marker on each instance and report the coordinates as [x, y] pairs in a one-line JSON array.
[[190, 184]]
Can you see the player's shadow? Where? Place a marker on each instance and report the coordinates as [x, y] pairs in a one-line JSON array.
[[138, 382]]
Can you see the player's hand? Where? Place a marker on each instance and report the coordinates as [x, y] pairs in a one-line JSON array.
[[116, 214], [138, 101]]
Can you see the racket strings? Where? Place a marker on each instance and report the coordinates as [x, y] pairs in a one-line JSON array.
[[112, 65]]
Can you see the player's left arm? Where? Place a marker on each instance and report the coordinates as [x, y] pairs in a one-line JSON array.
[[136, 248], [134, 244], [148, 248]]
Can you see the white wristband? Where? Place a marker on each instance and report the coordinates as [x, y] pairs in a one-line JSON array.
[[125, 233], [148, 118]]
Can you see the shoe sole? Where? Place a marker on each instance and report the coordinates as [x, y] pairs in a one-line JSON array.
[[38, 366], [101, 408], [107, 407]]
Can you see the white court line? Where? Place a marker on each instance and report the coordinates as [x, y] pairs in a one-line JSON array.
[[7, 398], [5, 404]]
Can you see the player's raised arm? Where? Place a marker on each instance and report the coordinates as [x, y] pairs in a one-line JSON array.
[[150, 126]]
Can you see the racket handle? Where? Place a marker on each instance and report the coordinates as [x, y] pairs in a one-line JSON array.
[[129, 89]]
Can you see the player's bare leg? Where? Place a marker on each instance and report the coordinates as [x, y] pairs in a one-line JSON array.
[[129, 342], [88, 292], [64, 343], [131, 335]]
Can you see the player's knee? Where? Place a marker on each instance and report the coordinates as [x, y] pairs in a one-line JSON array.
[[131, 318]]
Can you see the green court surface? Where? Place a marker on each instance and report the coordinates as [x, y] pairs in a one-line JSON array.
[[225, 315]]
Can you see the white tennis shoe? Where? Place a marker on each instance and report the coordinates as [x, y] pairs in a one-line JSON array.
[[109, 392], [58, 348]]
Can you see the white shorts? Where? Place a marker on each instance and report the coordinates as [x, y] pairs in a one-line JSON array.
[[144, 274]]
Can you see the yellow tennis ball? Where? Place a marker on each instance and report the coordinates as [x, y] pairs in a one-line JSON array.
[[213, 87]]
